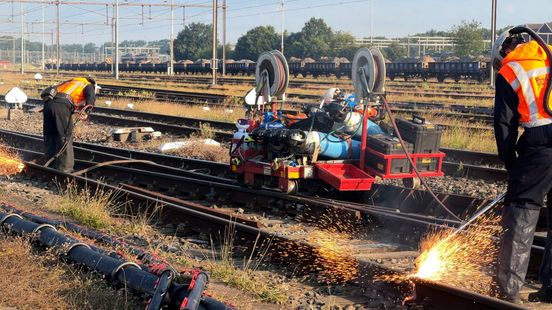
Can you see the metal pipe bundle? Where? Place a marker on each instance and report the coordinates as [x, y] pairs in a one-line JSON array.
[[160, 288], [143, 256]]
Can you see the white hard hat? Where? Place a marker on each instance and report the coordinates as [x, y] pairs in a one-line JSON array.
[[496, 57], [330, 94]]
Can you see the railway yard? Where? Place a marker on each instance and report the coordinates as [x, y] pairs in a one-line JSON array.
[[314, 248]]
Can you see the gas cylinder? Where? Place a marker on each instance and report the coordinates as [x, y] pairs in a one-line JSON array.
[[352, 125], [242, 125], [332, 147]]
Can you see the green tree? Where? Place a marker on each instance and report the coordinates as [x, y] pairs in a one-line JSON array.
[[194, 42], [468, 38], [341, 43], [90, 48], [255, 41], [164, 45], [394, 51], [314, 40]]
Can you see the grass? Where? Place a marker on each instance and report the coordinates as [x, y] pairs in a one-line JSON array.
[[465, 139], [135, 93], [92, 208], [245, 276], [100, 209], [177, 109], [32, 280]]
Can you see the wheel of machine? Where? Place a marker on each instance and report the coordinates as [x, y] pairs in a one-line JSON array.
[[258, 182], [413, 183], [241, 179], [293, 187]]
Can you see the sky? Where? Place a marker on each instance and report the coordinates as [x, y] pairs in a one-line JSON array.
[[391, 18]]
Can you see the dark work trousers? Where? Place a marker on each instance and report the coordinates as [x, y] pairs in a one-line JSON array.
[[529, 181], [58, 130]]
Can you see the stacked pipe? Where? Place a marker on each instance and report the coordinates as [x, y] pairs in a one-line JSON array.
[[160, 288], [145, 257]]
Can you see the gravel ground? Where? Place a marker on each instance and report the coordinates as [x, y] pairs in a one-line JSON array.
[[461, 186], [306, 294]]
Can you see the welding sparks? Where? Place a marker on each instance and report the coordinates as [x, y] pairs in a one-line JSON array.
[[332, 258], [465, 259], [10, 163]]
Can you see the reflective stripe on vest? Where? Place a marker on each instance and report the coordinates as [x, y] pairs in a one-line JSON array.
[[522, 83], [74, 89]]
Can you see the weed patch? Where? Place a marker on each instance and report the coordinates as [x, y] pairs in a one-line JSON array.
[[92, 208]]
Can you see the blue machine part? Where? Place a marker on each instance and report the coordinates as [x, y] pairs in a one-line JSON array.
[[270, 122], [351, 101], [373, 129], [334, 148]]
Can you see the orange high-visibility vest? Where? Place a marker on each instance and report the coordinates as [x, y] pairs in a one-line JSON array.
[[75, 89], [526, 69]]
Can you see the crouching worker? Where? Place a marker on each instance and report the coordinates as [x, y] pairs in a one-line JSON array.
[[77, 95]]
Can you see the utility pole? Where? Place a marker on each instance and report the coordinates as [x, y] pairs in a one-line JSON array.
[[43, 53], [13, 50], [112, 50], [223, 37], [22, 39], [214, 60], [282, 26], [116, 60], [58, 56], [493, 37], [171, 64], [371, 22]]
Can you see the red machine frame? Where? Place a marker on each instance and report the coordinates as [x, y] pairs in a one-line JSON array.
[[340, 174]]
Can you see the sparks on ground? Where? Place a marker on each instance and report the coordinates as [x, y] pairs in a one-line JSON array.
[[10, 163], [464, 259]]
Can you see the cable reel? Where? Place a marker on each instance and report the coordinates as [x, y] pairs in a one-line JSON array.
[[272, 69], [368, 72]]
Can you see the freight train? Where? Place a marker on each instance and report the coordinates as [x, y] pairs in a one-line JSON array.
[[467, 70]]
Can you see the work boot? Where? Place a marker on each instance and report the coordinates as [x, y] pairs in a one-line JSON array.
[[542, 295], [515, 300]]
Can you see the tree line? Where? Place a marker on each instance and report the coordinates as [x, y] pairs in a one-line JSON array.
[[316, 39]]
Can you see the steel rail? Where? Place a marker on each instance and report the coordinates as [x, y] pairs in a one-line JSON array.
[[367, 269]]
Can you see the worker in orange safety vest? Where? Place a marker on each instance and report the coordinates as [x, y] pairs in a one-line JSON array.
[[520, 102], [67, 98]]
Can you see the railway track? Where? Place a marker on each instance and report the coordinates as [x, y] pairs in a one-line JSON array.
[[136, 177], [393, 87], [460, 163]]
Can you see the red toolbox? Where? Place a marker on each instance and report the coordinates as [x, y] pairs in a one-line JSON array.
[[344, 177]]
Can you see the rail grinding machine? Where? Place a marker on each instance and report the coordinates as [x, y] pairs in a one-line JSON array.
[[342, 141]]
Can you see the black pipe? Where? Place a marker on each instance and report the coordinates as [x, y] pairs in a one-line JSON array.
[[163, 285], [195, 290], [546, 48], [143, 256], [113, 268]]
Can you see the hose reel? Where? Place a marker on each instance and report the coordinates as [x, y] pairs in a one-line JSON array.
[[368, 72], [272, 69]]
